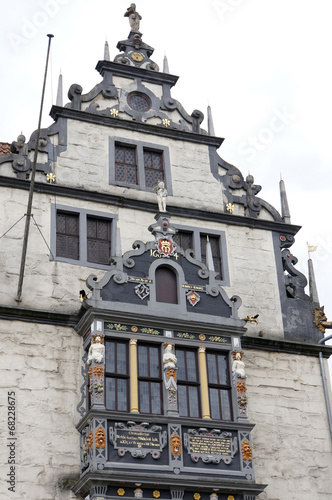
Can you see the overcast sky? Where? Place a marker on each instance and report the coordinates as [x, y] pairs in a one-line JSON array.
[[264, 66]]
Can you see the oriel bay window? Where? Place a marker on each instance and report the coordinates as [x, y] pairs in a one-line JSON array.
[[141, 389]]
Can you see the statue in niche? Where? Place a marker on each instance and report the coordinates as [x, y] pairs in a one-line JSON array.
[[134, 17], [169, 359], [161, 192], [238, 365], [246, 450], [97, 350]]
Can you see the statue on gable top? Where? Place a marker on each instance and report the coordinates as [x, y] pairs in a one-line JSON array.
[[134, 17]]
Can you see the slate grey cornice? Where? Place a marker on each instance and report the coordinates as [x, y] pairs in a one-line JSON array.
[[121, 201], [108, 121], [13, 313], [131, 72]]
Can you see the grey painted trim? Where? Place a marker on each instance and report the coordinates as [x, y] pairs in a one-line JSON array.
[[84, 116], [132, 72], [197, 231], [83, 214], [120, 201], [140, 146]]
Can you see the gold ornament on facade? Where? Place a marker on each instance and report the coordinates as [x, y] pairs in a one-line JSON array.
[[230, 207], [121, 492], [114, 112], [230, 497], [90, 440], [166, 122], [50, 178], [241, 388], [171, 372], [251, 319], [235, 355], [246, 450], [98, 371], [156, 494], [100, 438], [196, 496], [201, 336], [175, 443], [320, 319], [134, 329]]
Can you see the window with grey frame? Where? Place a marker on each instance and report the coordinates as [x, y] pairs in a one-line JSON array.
[[116, 375], [82, 237], [139, 165], [207, 247], [188, 383], [219, 383]]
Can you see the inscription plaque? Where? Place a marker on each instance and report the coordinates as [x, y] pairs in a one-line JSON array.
[[138, 440], [211, 447]]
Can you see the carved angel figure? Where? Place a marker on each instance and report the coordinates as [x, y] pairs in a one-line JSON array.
[[97, 350]]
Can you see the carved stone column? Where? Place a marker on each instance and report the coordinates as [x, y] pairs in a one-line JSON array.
[[133, 376], [204, 383]]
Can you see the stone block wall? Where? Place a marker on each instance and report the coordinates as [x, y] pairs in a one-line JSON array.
[[41, 364], [292, 446]]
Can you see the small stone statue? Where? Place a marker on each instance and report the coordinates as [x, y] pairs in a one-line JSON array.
[[97, 350], [320, 319], [161, 192], [238, 366], [134, 17], [169, 359]]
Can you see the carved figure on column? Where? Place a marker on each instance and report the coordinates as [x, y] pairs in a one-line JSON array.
[[97, 350], [169, 358], [238, 365], [134, 17], [161, 192]]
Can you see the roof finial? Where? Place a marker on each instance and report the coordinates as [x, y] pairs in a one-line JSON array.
[[59, 96], [106, 52], [210, 121], [165, 65], [312, 279], [134, 17], [285, 214]]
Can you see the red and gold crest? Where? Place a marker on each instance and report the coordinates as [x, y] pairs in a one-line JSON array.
[[166, 247], [193, 297]]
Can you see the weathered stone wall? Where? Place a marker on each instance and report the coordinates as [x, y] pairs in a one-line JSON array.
[[42, 365], [49, 284], [291, 441]]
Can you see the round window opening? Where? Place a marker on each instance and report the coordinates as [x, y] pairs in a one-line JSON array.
[[139, 102]]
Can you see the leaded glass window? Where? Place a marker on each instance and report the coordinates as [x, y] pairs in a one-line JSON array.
[[125, 164], [149, 379], [117, 376], [67, 235], [188, 383], [153, 167], [98, 240], [219, 386]]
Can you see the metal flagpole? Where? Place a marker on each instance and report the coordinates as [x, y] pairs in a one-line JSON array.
[[32, 183]]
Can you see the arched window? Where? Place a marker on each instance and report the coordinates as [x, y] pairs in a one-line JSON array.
[[166, 285]]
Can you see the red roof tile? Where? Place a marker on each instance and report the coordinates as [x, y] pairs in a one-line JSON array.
[[4, 148]]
